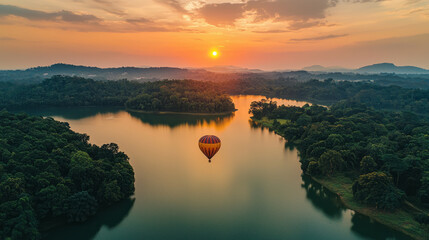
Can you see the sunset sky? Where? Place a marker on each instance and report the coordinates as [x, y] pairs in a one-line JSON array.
[[264, 34]]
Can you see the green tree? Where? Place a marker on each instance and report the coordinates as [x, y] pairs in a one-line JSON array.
[[80, 206], [330, 162], [424, 189], [367, 164], [376, 189]]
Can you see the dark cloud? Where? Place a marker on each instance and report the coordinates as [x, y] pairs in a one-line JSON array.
[[66, 16], [222, 14], [320, 37]]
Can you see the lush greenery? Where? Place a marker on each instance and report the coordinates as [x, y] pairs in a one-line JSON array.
[[177, 96], [388, 149], [48, 171], [329, 91], [205, 96], [182, 96]]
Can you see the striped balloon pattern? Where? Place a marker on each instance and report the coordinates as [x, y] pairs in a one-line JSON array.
[[209, 145]]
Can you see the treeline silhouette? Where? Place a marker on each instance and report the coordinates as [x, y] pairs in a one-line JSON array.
[[176, 96], [385, 152], [47, 171]]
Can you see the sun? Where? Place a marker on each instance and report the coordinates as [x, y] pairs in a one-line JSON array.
[[214, 53]]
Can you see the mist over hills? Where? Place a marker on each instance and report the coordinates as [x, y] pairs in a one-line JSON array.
[[383, 74], [371, 69], [392, 68]]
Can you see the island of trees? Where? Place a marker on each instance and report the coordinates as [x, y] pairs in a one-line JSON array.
[[48, 172], [370, 157], [174, 96]]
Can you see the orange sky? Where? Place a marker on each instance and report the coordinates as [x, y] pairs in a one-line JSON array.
[[264, 34]]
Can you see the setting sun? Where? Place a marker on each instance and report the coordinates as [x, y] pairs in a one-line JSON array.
[[214, 54]]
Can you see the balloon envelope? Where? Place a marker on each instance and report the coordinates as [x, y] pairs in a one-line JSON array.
[[209, 145]]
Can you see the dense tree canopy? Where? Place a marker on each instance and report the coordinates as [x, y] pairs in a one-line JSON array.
[[47, 170], [329, 92], [182, 96], [389, 149], [176, 96]]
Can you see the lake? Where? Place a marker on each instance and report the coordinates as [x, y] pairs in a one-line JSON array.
[[253, 189]]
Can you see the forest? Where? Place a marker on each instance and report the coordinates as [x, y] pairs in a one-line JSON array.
[[175, 96], [328, 92], [384, 152], [182, 96], [204, 96], [47, 172]]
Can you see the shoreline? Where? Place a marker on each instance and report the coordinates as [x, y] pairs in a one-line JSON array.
[[406, 224], [181, 113], [383, 217]]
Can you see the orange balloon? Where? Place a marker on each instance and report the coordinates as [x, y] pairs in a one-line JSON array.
[[209, 145]]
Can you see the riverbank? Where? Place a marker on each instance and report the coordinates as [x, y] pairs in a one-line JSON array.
[[401, 220], [182, 113]]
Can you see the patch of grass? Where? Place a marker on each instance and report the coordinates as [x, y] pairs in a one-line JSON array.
[[265, 122], [401, 220]]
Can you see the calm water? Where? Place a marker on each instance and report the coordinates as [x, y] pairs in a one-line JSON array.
[[253, 189]]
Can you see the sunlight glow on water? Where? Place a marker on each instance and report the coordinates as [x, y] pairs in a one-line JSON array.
[[253, 189]]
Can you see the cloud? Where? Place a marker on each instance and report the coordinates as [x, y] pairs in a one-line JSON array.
[[173, 4], [296, 25], [105, 5], [271, 31], [66, 16], [323, 37], [86, 22], [138, 20], [263, 10], [222, 14], [281, 10], [110, 7], [300, 14]]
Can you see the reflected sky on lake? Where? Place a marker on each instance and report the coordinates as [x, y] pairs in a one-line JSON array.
[[253, 189]]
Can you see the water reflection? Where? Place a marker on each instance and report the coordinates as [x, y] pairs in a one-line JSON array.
[[322, 199], [365, 227], [71, 113], [174, 120], [110, 217], [252, 190], [332, 207]]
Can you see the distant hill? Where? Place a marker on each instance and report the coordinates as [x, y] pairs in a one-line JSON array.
[[371, 69], [130, 73], [232, 69], [391, 68], [319, 68], [374, 73], [37, 74]]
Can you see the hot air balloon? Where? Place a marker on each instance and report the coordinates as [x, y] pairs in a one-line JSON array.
[[209, 145]]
